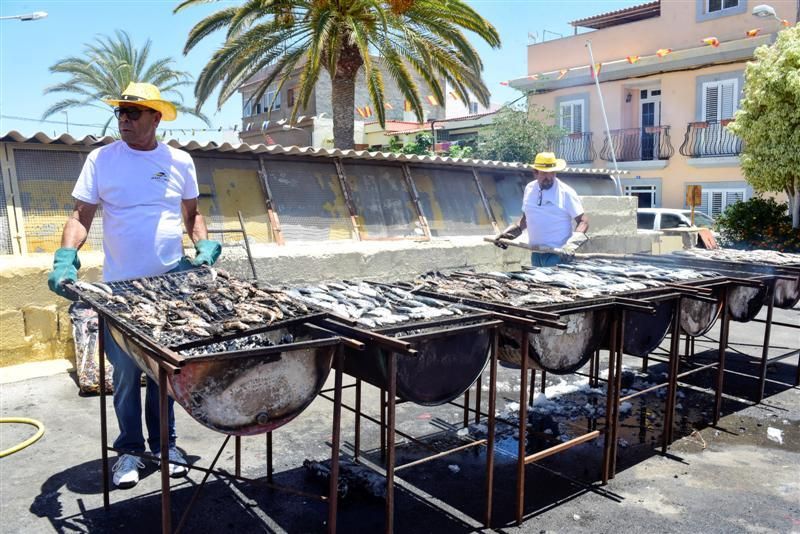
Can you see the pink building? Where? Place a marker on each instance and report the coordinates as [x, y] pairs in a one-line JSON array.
[[671, 74]]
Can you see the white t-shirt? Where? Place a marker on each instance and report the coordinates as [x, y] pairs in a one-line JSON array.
[[141, 193], [550, 224]]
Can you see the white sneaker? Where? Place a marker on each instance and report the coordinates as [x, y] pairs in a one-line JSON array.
[[126, 471], [177, 466]]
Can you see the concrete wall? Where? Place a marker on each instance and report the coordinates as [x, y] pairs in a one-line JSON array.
[[34, 324]]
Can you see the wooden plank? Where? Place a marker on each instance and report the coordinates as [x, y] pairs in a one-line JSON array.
[[274, 222], [412, 190]]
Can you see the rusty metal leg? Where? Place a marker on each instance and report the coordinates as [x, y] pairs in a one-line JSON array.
[[383, 426], [166, 511], [686, 345], [390, 456], [101, 347], [523, 424], [269, 457], [762, 376], [465, 412], [478, 394], [723, 345], [532, 386], [333, 489], [610, 396], [544, 381], [673, 368], [237, 456], [491, 424], [358, 420], [617, 393]]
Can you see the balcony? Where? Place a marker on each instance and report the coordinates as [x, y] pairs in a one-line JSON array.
[[575, 148], [649, 143], [710, 139]]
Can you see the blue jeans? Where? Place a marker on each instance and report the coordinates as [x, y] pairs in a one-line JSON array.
[[544, 259], [128, 397]]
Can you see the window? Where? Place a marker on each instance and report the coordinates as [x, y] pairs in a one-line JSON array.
[[719, 99], [271, 100], [290, 97], [670, 220], [646, 195], [247, 111], [716, 200], [718, 5], [571, 116], [473, 108], [645, 221]]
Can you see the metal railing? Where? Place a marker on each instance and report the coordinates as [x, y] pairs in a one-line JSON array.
[[575, 147], [648, 143], [710, 139]]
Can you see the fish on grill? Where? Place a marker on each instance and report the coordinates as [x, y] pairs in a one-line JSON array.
[[182, 307], [771, 257]]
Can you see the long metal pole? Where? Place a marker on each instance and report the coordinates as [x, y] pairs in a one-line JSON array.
[[605, 117]]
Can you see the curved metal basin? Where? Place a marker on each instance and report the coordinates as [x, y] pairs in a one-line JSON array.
[[643, 332], [245, 395], [698, 316], [444, 367], [745, 302], [787, 293], [558, 351]]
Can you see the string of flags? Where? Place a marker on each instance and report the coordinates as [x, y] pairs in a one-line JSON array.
[[366, 111], [660, 53]]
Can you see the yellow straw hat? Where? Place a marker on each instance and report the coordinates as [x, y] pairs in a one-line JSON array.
[[547, 162], [147, 95]]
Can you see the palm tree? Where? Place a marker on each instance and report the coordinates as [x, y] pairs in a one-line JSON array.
[[106, 67], [342, 36]]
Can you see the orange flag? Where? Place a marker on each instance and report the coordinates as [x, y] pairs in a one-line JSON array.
[[503, 83], [562, 73], [367, 111], [406, 106], [753, 32], [388, 105], [361, 112], [432, 100], [711, 41], [596, 70], [663, 52], [786, 23], [632, 59]]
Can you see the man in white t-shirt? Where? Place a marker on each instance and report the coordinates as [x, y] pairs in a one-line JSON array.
[[149, 192], [549, 209]]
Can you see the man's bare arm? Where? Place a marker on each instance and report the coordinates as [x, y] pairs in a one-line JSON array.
[[194, 221], [76, 230], [583, 223]]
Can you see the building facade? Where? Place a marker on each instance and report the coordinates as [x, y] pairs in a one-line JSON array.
[[671, 75]]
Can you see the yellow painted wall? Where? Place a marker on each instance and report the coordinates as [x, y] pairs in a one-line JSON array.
[[240, 189]]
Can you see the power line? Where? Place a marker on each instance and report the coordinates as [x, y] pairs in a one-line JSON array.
[[166, 130], [29, 119]]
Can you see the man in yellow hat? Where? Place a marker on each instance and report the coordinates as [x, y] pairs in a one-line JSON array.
[[549, 209], [149, 192]]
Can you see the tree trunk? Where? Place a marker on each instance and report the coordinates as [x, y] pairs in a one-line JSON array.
[[794, 202], [343, 96]]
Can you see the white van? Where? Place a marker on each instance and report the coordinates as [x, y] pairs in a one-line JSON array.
[[664, 218]]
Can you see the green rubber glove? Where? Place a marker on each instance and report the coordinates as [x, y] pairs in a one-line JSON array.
[[208, 252], [65, 269]]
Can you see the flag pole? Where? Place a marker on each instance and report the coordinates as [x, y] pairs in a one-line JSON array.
[[596, 77]]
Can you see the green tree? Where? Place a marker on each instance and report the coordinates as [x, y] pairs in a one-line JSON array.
[[342, 37], [517, 135], [768, 120], [106, 67]]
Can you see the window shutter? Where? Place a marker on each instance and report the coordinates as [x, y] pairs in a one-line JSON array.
[[577, 118], [566, 117], [728, 100], [712, 103], [716, 203], [733, 197]]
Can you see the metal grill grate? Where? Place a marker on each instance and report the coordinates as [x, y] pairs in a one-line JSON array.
[[6, 245], [309, 201], [382, 201], [451, 201], [46, 179]]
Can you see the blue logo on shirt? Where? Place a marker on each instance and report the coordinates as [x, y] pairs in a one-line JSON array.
[[160, 176]]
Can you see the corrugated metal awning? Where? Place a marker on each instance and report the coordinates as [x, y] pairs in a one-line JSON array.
[[620, 16], [279, 150]]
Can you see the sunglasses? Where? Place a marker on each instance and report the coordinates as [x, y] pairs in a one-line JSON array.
[[132, 113], [540, 198]]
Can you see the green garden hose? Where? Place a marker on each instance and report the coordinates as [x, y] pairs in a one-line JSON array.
[[31, 440]]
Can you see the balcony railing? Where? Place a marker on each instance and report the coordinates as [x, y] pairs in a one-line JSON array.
[[575, 148], [639, 144], [710, 139]]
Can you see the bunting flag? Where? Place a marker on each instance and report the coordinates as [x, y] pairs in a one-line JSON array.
[[388, 105], [406, 106], [596, 70], [753, 32], [786, 23], [711, 41], [432, 100], [562, 73], [663, 52], [503, 83], [632, 59], [367, 111], [361, 112]]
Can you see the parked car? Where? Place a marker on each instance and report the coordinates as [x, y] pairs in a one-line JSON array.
[[664, 218]]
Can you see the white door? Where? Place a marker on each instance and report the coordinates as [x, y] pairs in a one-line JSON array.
[[649, 115]]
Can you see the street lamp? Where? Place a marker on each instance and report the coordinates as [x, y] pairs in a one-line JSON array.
[[36, 15], [765, 11]]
